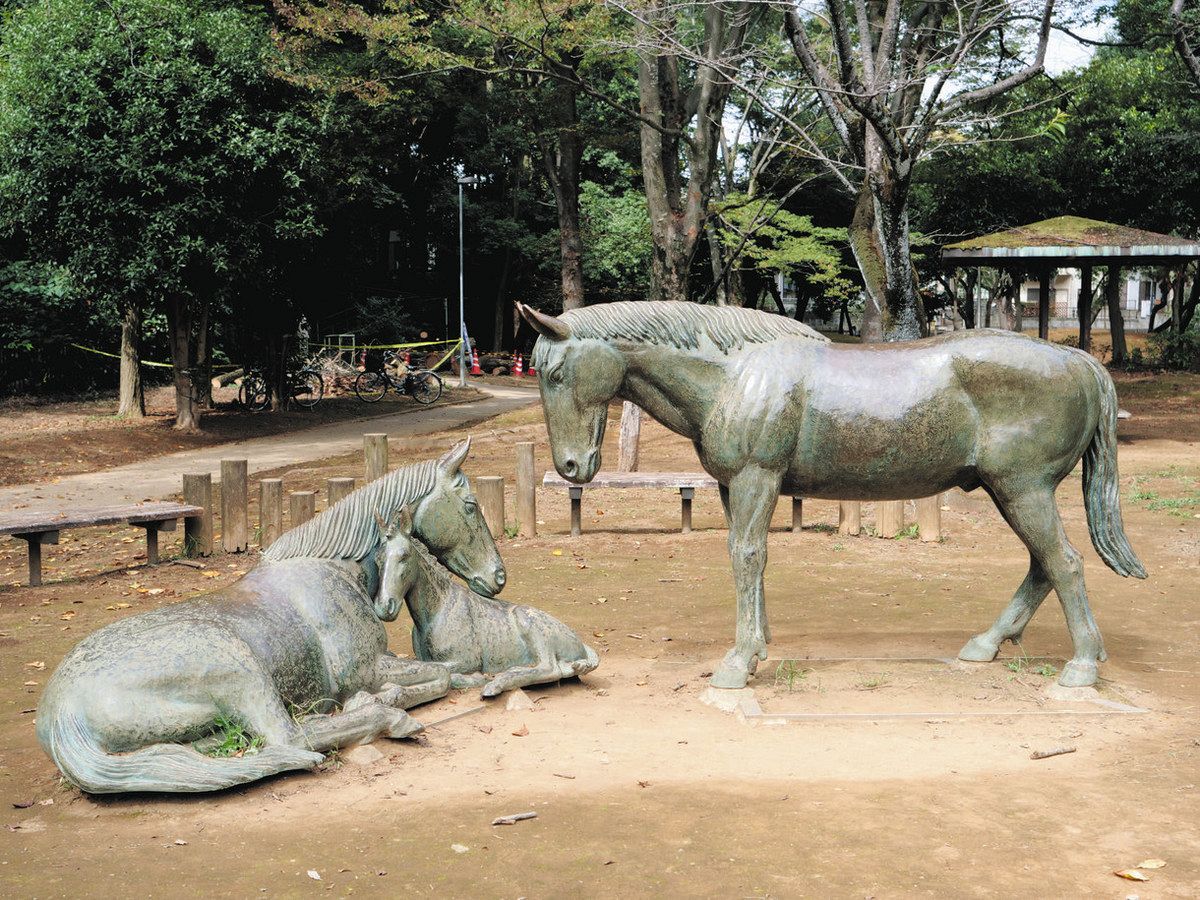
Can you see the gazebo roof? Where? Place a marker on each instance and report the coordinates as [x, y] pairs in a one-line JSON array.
[[1071, 240]]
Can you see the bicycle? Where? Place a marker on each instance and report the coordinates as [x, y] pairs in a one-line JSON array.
[[422, 385], [305, 388]]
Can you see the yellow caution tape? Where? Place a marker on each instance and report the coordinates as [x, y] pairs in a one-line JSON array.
[[144, 362], [357, 347]]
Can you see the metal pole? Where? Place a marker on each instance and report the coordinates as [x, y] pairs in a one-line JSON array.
[[462, 350]]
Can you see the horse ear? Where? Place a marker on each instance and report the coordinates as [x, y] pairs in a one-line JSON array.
[[453, 458], [384, 531], [403, 522], [550, 327]]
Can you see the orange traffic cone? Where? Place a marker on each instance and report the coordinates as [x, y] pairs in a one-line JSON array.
[[407, 357], [519, 368], [475, 370]]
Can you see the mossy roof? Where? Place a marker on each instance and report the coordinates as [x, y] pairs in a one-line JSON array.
[[1072, 237]]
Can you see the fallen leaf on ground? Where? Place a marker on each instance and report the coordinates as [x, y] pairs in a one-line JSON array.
[[556, 553], [643, 784], [1151, 864], [36, 664], [211, 573], [119, 606], [181, 843], [68, 615], [486, 729], [636, 637], [23, 804], [459, 848], [521, 732], [30, 684], [314, 874], [154, 591], [1132, 875]]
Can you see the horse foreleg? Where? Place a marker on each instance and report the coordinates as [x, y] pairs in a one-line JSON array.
[[404, 683], [753, 493], [1010, 625], [362, 720]]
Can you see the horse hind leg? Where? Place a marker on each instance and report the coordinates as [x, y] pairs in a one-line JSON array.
[[363, 719], [1010, 624], [1034, 516], [404, 683]]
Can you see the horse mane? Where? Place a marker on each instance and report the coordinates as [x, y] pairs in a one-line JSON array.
[[348, 530], [681, 324], [438, 574]]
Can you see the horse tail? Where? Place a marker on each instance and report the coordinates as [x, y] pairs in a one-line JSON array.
[[1101, 490], [175, 768]]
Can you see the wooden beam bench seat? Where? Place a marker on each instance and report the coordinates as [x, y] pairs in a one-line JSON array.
[[687, 483], [44, 528]]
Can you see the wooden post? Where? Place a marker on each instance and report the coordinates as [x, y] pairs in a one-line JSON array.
[[270, 511], [34, 541], [375, 453], [889, 518], [302, 506], [526, 490], [234, 523], [338, 489], [576, 494], [1083, 308], [1044, 304], [797, 514], [685, 501], [1116, 319], [929, 518], [631, 431], [850, 517], [198, 530], [489, 491]]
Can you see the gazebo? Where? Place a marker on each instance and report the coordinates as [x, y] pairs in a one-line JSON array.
[[1072, 242]]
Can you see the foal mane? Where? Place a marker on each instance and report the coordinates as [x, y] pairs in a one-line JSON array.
[[348, 530], [681, 324]]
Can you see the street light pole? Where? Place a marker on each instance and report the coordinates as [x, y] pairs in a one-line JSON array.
[[462, 326]]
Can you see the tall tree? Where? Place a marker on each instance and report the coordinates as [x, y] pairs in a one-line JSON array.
[[145, 147], [890, 76]]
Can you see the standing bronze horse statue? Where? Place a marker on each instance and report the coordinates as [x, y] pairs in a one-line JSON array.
[[773, 407]]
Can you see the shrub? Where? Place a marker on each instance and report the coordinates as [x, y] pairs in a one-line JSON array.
[[1177, 351]]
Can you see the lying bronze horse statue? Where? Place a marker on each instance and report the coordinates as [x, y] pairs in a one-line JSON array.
[[297, 636], [482, 641], [774, 407]]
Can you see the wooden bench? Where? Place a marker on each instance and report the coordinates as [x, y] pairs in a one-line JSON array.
[[687, 483], [43, 528]]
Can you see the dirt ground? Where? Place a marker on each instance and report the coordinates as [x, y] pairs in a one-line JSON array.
[[640, 788]]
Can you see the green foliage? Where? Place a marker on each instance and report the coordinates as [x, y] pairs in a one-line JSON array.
[[146, 151], [1172, 350], [616, 242]]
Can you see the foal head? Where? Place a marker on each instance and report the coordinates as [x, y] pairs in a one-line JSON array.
[[577, 377], [398, 562]]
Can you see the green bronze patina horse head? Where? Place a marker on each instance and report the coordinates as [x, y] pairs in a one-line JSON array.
[[773, 407]]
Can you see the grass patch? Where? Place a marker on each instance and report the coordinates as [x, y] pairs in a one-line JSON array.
[[909, 533], [230, 738], [789, 675], [873, 682]]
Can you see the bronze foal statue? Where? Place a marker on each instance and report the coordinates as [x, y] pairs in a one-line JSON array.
[[774, 407]]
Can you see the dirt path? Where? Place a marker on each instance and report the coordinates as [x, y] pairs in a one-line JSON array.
[[161, 475]]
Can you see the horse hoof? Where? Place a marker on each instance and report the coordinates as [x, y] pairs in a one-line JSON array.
[[490, 690], [403, 725], [1078, 673], [729, 678], [978, 650]]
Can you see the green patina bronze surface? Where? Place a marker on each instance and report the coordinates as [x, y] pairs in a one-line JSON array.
[[482, 641], [774, 407], [299, 635]]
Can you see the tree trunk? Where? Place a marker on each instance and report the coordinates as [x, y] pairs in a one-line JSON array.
[[1116, 320], [203, 356], [879, 238], [630, 437], [183, 347], [561, 156], [132, 397]]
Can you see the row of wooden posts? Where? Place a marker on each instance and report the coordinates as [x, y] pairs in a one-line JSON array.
[[302, 505]]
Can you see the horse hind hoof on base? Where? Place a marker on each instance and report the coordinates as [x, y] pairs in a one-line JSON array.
[[1079, 673], [402, 725], [978, 650]]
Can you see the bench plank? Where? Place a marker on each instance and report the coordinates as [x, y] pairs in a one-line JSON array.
[[132, 514], [637, 480]]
